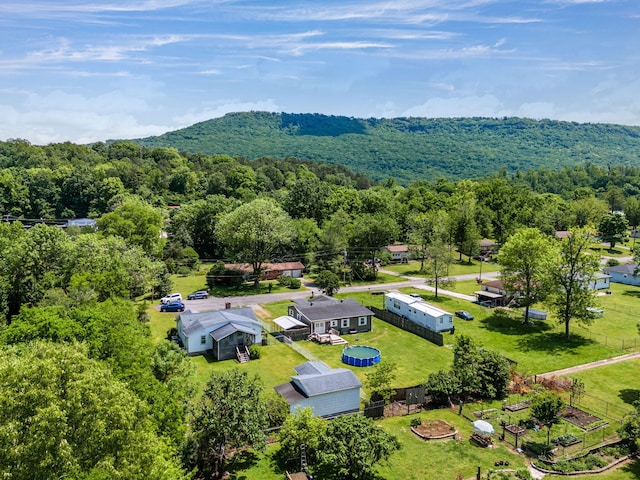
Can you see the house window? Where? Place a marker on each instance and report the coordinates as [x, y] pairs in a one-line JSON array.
[[441, 320], [203, 339], [362, 321], [345, 323], [334, 323]]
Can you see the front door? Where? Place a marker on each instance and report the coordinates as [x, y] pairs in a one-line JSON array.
[[318, 327]]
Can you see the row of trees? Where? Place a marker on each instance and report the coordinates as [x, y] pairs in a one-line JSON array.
[[536, 267]]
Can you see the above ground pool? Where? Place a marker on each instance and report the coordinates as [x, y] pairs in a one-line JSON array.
[[360, 356]]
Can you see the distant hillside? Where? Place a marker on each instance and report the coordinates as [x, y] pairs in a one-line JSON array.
[[409, 148]]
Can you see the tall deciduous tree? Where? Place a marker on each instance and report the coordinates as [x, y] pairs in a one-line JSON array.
[[370, 233], [465, 232], [613, 228], [547, 407], [229, 415], [137, 222], [632, 211], [572, 278], [526, 259], [66, 416], [328, 282], [300, 428], [352, 446], [255, 232]]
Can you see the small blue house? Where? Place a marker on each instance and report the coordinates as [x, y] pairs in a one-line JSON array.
[[218, 332], [624, 274], [329, 392]]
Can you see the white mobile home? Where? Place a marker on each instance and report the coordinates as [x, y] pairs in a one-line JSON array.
[[419, 311]]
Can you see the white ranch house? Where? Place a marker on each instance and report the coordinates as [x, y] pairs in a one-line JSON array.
[[419, 311]]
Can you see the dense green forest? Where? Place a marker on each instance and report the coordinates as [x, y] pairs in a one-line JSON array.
[[410, 149], [86, 393]]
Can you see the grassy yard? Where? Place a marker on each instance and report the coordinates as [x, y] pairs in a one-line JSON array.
[[186, 284], [537, 348], [620, 321], [436, 460], [618, 384], [456, 268]]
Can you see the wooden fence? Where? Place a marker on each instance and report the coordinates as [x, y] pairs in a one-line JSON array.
[[408, 325]]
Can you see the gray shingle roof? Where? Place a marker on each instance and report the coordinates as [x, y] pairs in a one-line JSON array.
[[628, 268], [227, 329], [311, 368], [194, 321], [322, 379], [326, 310]]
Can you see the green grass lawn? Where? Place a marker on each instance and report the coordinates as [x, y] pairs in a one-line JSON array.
[[468, 287], [440, 460], [620, 321], [456, 268], [434, 460], [537, 348], [186, 284], [618, 384]]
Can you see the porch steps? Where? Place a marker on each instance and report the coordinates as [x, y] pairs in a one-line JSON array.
[[242, 354], [337, 340]]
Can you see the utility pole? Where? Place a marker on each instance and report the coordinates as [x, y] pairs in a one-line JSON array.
[[344, 267]]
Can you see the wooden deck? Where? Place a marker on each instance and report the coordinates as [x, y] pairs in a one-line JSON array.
[[330, 338]]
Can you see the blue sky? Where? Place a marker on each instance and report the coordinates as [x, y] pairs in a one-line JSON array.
[[91, 71]]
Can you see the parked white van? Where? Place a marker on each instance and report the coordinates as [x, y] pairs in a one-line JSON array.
[[174, 297]]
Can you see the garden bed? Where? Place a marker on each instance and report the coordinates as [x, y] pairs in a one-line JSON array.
[[594, 461], [516, 407], [582, 419], [515, 430], [434, 430], [566, 440]]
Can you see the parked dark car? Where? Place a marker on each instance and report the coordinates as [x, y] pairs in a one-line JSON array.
[[463, 314], [172, 307], [200, 294]]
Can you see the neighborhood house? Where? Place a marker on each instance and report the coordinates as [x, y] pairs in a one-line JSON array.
[[329, 392], [399, 253], [601, 281], [270, 271], [323, 314], [624, 274], [493, 294], [220, 332], [419, 311]]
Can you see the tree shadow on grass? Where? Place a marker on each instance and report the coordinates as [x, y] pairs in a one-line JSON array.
[[241, 462], [503, 322], [553, 342], [629, 395], [632, 468], [632, 293]]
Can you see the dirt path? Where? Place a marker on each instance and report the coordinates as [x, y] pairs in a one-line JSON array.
[[588, 366]]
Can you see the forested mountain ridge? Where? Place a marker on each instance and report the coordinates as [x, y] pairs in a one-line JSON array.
[[409, 149]]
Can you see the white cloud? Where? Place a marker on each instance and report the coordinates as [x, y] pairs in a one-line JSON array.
[[61, 116], [222, 108], [468, 106]]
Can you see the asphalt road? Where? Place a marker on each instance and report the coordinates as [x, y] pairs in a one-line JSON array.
[[217, 303]]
